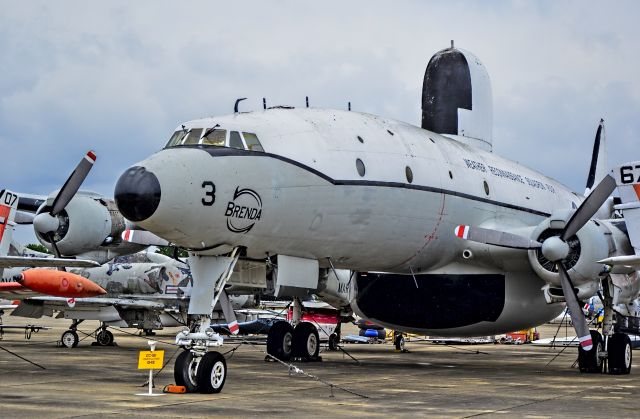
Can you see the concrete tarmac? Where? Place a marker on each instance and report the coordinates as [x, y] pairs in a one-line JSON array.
[[429, 380]]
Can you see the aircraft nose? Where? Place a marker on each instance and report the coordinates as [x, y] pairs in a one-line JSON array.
[[137, 193]]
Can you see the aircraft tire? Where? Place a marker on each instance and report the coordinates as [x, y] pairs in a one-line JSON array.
[[399, 342], [184, 371], [589, 361], [104, 337], [306, 341], [620, 354], [334, 342], [279, 340], [69, 339], [212, 373]]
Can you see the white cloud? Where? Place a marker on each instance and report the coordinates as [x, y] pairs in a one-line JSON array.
[[119, 76]]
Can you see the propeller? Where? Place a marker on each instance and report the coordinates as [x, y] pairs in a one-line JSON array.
[[47, 223], [554, 248]]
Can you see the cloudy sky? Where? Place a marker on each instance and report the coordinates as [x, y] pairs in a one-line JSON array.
[[118, 77]]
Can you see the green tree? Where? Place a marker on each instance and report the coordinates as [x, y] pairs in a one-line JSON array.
[[38, 248], [169, 251]]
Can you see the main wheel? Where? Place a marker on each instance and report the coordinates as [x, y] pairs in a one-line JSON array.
[[306, 341], [185, 369], [104, 337], [619, 349], [69, 339], [589, 361], [334, 342], [398, 341], [279, 340], [212, 373]]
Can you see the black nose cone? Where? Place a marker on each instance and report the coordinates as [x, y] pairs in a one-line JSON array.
[[137, 193]]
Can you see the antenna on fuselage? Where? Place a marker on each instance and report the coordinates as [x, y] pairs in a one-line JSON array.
[[264, 104], [235, 107], [349, 106], [306, 98]]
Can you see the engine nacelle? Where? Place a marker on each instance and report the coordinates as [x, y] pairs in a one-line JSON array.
[[88, 223], [589, 245]]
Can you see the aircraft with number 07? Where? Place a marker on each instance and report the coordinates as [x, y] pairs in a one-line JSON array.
[[407, 226]]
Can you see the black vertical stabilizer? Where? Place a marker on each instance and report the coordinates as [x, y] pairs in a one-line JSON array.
[[446, 88]]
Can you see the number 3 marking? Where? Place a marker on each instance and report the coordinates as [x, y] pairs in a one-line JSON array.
[[209, 193]]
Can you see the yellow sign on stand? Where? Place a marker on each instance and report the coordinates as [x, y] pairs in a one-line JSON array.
[[150, 360]]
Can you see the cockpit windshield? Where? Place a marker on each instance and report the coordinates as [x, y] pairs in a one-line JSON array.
[[214, 136]]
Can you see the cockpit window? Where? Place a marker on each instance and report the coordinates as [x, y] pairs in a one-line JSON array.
[[215, 137], [235, 141], [252, 141], [176, 138], [193, 137]]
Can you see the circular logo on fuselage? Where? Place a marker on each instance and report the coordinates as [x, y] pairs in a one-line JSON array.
[[243, 211]]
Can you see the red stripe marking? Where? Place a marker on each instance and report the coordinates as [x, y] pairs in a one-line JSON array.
[[637, 189], [233, 327], [587, 342], [91, 155], [460, 231]]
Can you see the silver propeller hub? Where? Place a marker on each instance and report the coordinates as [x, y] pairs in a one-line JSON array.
[[554, 249], [45, 223]]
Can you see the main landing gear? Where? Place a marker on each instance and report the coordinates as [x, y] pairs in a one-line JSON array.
[[614, 351], [197, 368], [69, 338], [298, 341]]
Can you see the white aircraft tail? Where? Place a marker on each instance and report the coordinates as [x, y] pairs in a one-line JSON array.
[[8, 208], [628, 181]]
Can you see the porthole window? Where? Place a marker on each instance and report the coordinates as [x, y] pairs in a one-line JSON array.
[[360, 139], [486, 187], [409, 174], [450, 175], [360, 167]]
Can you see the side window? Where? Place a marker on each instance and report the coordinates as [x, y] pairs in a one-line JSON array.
[[193, 137], [235, 141], [252, 141], [176, 138], [215, 137]]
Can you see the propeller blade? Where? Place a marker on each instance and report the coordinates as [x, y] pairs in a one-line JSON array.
[[73, 183], [229, 314], [495, 237], [579, 322], [589, 207], [143, 237]]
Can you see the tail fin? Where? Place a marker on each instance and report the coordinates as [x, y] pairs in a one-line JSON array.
[[628, 181], [8, 208], [598, 169]]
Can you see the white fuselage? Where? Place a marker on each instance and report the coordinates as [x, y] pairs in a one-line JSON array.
[[314, 204], [304, 196]]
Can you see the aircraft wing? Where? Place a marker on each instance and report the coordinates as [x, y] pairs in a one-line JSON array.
[[13, 261], [36, 307]]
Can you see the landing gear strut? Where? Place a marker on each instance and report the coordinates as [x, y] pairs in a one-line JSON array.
[[196, 368]]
